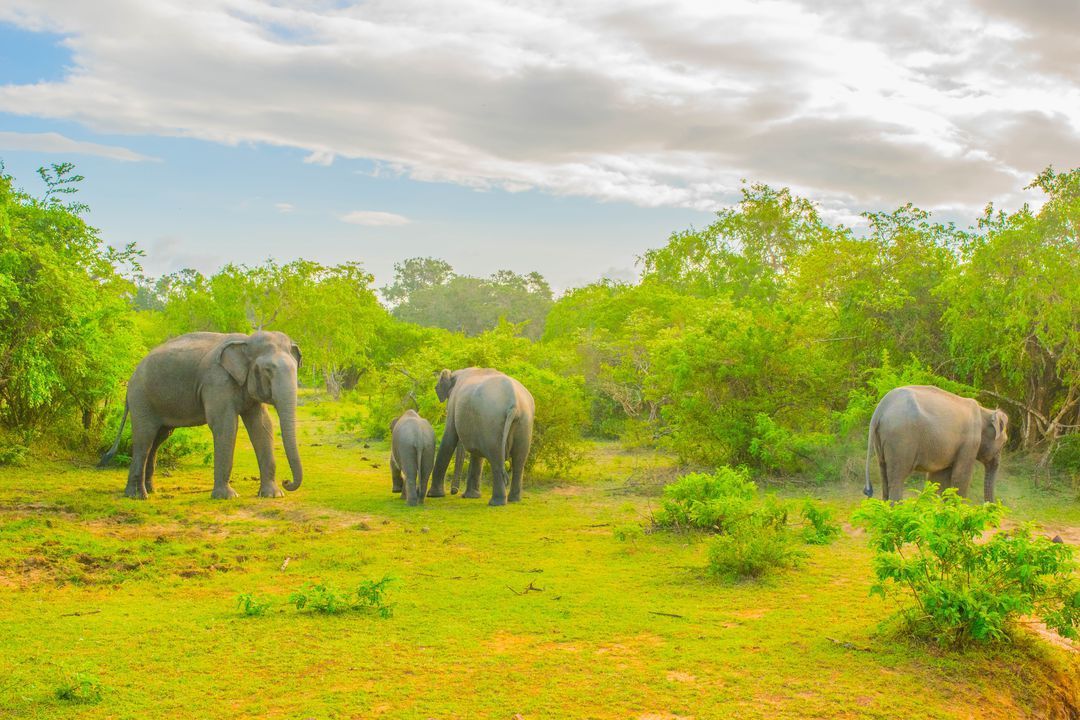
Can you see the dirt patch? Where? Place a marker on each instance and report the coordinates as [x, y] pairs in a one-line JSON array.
[[682, 677]]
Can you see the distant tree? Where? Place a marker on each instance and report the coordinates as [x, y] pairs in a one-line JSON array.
[[415, 274], [428, 293]]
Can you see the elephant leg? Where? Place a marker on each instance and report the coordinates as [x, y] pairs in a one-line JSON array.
[[151, 459], [472, 482], [224, 430], [884, 477], [900, 463], [962, 471], [519, 453], [142, 439], [498, 477], [943, 478], [459, 461], [427, 462], [395, 477], [411, 493], [260, 430], [447, 446]]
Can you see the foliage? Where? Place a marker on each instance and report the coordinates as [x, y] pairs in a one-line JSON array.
[[820, 528], [66, 333], [251, 606], [753, 549], [957, 589], [369, 596], [427, 292], [715, 502], [80, 688]]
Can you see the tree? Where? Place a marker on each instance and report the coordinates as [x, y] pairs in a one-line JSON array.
[[67, 336]]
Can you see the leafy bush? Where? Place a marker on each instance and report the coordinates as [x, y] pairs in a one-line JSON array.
[[80, 689], [251, 606], [753, 549], [715, 502], [780, 450], [369, 596], [957, 589], [1067, 453], [820, 527], [628, 533]]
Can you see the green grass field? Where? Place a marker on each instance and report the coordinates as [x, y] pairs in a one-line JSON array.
[[112, 608]]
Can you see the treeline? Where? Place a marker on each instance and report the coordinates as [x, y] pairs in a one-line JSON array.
[[762, 339]]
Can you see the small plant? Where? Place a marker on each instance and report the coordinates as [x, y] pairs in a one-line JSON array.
[[251, 606], [753, 550], [628, 533], [820, 528], [80, 689], [957, 589], [321, 598]]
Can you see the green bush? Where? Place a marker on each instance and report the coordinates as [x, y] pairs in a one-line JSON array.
[[701, 501], [957, 589], [820, 528], [1067, 453], [251, 606], [753, 549], [780, 450], [369, 596]]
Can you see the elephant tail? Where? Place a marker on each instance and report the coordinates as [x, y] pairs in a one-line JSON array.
[[511, 415], [106, 459], [868, 491]]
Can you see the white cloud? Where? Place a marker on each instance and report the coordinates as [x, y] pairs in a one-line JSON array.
[[374, 217], [56, 143], [670, 104], [284, 207]]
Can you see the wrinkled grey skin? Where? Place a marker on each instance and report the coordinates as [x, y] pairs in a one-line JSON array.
[[412, 455], [212, 379], [491, 415], [921, 428]]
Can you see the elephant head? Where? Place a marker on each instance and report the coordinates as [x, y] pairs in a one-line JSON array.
[[265, 364], [444, 385]]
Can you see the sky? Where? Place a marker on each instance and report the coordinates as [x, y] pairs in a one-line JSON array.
[[562, 137]]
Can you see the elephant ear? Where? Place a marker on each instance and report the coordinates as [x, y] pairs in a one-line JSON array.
[[444, 385], [297, 356], [1000, 421], [233, 357], [393, 423]]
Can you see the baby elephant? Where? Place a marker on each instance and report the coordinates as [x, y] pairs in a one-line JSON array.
[[412, 455]]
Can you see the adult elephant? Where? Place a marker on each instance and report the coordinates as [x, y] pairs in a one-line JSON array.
[[212, 379], [491, 415], [921, 428]]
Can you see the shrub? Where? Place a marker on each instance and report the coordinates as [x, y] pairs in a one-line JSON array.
[[80, 689], [251, 606], [780, 450], [820, 528], [369, 596], [713, 502], [957, 589], [628, 533], [753, 549], [1067, 453]]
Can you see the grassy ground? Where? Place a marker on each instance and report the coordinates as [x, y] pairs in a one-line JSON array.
[[111, 608]]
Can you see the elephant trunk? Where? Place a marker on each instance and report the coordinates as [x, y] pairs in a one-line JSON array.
[[285, 402], [991, 477]]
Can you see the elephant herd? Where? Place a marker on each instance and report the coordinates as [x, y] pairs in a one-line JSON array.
[[218, 379]]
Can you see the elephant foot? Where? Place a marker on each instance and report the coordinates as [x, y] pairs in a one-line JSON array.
[[497, 501], [223, 494], [135, 493], [270, 491], [471, 494], [513, 498], [436, 493]]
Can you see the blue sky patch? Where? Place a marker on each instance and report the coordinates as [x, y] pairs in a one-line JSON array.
[[30, 57]]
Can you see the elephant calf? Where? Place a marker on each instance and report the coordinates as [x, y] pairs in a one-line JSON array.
[[412, 455], [214, 379], [921, 428]]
